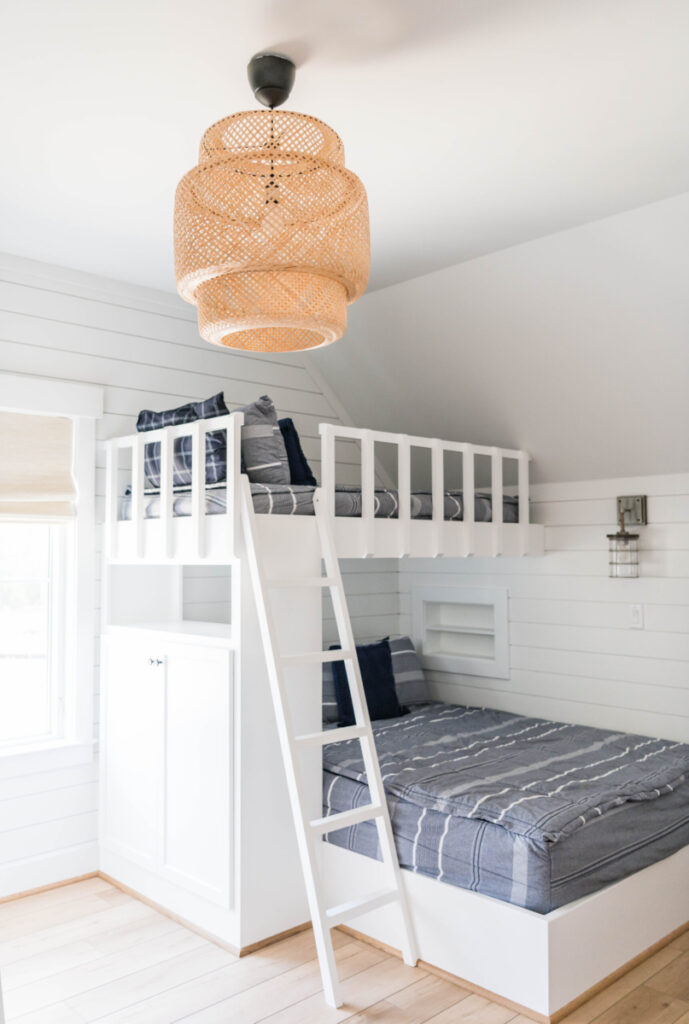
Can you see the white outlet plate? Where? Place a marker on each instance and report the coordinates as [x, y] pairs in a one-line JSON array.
[[636, 616]]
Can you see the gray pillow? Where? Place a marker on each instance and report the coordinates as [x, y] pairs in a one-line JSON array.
[[410, 681], [264, 455]]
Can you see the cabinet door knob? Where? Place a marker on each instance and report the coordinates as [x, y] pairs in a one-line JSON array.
[[155, 661]]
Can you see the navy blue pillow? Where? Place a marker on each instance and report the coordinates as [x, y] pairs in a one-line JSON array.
[[375, 662], [299, 469]]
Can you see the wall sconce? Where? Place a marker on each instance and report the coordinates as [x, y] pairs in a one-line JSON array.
[[623, 547]]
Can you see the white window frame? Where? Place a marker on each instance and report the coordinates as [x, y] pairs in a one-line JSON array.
[[83, 404]]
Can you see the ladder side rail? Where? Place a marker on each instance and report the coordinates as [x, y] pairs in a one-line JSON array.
[[112, 453], [496, 495], [361, 714], [368, 491], [404, 494], [137, 505], [523, 501], [437, 495], [327, 432], [468, 497], [305, 840]]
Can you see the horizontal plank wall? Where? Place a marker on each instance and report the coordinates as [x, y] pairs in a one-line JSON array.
[[574, 655], [372, 589], [143, 347]]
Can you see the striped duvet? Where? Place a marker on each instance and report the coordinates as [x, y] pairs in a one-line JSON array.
[[527, 810]]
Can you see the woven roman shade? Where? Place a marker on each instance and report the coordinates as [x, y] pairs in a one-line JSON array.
[[36, 467]]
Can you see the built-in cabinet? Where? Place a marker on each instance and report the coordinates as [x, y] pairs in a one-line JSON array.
[[194, 811], [168, 763]]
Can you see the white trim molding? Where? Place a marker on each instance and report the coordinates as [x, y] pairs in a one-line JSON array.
[[45, 396]]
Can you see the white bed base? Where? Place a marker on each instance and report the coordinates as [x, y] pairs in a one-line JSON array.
[[204, 539], [540, 963]]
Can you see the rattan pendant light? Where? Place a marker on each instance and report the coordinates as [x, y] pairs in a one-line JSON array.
[[271, 229]]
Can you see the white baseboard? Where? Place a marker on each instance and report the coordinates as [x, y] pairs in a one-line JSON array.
[[48, 869]]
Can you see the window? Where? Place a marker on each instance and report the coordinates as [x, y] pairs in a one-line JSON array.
[[33, 612], [47, 572]]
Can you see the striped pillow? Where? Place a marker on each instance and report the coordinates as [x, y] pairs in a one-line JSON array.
[[264, 456], [410, 681]]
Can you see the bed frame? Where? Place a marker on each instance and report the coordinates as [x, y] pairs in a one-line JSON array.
[[541, 964]]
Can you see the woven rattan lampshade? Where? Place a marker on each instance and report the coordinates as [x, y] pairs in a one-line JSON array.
[[271, 233]]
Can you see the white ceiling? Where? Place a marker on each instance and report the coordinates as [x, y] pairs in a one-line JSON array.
[[474, 124]]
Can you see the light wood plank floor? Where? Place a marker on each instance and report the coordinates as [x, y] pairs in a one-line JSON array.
[[88, 952]]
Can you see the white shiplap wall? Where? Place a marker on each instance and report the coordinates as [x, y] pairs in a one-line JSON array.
[[573, 655], [143, 347]]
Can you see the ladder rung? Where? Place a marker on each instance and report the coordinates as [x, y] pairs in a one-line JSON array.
[[316, 656], [302, 581], [344, 911], [315, 739], [345, 818]]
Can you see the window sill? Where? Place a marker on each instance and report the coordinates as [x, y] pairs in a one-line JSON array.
[[44, 757]]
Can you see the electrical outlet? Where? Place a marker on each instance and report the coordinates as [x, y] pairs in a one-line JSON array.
[[636, 616]]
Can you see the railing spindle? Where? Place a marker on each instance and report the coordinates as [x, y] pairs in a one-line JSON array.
[[368, 490], [496, 499], [404, 494], [468, 498], [438, 495], [327, 433], [111, 511], [138, 493], [166, 453], [198, 484], [523, 499], [233, 482]]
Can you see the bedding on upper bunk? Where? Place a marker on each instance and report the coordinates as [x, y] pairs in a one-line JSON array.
[[533, 812], [295, 500]]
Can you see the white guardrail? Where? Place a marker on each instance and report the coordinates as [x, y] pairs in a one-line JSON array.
[[330, 434], [167, 436], [368, 439]]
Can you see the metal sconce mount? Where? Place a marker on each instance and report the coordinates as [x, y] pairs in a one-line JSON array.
[[623, 546]]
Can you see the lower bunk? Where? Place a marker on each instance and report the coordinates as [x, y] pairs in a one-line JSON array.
[[522, 842]]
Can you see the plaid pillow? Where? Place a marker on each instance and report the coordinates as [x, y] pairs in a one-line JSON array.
[[216, 442]]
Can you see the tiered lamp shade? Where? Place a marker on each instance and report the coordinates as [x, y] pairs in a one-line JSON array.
[[271, 233]]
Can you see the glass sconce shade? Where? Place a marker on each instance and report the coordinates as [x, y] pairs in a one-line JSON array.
[[623, 557]]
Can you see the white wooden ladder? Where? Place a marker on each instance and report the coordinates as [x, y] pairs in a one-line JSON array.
[[309, 830]]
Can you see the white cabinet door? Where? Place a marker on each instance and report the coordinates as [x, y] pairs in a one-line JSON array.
[[132, 708], [196, 827]]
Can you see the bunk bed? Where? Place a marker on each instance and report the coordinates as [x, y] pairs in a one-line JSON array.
[[511, 936]]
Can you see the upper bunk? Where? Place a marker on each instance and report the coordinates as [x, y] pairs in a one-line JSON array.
[[471, 499]]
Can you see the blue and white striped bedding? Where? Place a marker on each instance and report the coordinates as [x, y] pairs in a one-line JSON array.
[[297, 500], [534, 812]]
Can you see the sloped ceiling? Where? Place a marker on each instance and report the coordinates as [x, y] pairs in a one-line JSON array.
[[574, 347], [474, 124]]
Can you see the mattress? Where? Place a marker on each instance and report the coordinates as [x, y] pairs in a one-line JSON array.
[[533, 812], [297, 500]]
